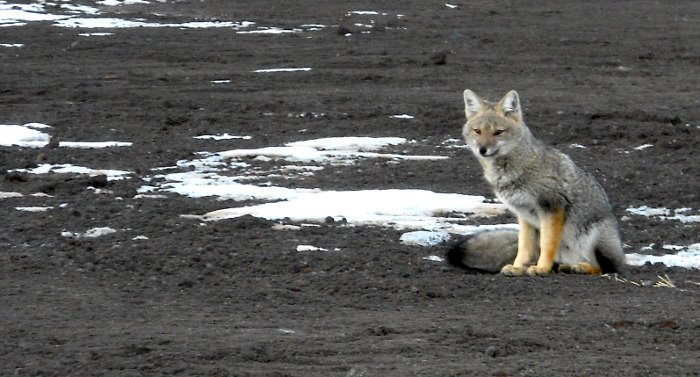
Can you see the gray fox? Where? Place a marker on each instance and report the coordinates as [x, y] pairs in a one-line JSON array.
[[564, 216]]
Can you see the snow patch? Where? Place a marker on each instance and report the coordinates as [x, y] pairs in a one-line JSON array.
[[310, 248], [112, 175], [424, 238], [434, 258], [643, 147], [33, 209], [275, 70], [224, 136], [687, 257], [665, 213], [28, 136], [10, 194], [90, 233]]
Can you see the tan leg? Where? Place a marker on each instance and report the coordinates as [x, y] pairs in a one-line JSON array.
[[551, 226], [527, 248]]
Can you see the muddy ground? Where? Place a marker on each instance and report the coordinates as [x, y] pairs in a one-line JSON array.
[[235, 297]]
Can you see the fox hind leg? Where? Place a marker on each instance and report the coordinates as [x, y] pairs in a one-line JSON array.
[[584, 268]]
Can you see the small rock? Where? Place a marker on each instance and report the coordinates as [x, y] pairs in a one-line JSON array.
[[53, 143], [494, 351], [343, 30], [439, 58]]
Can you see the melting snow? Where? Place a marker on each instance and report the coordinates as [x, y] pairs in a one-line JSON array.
[[29, 137], [688, 257], [121, 2], [643, 147], [33, 209], [424, 238], [225, 136], [665, 213], [10, 194], [274, 70], [434, 258], [310, 248], [90, 233], [112, 175]]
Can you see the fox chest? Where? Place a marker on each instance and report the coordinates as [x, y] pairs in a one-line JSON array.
[[523, 204]]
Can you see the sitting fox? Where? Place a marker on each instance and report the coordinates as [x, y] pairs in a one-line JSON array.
[[564, 216]]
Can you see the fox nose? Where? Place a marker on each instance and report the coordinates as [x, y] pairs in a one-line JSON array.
[[483, 151]]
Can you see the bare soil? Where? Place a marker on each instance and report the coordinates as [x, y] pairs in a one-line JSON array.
[[235, 298]]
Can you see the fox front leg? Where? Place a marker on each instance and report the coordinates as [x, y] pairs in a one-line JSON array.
[[551, 226], [527, 248]]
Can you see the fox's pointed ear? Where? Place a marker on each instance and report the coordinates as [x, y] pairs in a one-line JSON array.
[[510, 105], [472, 103]]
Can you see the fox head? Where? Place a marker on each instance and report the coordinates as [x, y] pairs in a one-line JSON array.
[[492, 129]]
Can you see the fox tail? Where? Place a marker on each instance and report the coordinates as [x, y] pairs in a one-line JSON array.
[[486, 251]]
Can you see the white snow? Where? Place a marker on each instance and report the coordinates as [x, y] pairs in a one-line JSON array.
[[93, 144], [424, 238], [29, 137], [95, 34], [338, 149], [12, 14], [112, 175], [23, 136], [33, 209], [310, 248], [224, 136], [687, 257], [643, 147], [401, 209], [269, 30], [121, 2], [275, 70], [118, 23], [665, 213], [90, 233], [365, 13], [434, 258], [10, 194]]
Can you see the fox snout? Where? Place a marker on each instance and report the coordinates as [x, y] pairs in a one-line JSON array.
[[487, 151]]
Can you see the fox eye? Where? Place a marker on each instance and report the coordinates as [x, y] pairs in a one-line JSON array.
[[498, 132], [477, 131]]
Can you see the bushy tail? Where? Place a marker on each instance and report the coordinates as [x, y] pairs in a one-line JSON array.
[[487, 251]]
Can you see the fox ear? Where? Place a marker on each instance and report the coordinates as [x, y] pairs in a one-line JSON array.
[[510, 105], [472, 103]]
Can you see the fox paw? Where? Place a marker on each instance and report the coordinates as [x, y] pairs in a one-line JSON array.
[[538, 271], [511, 270]]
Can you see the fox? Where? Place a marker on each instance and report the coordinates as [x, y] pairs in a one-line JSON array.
[[565, 220]]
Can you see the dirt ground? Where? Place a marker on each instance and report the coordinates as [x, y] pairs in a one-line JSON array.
[[234, 297]]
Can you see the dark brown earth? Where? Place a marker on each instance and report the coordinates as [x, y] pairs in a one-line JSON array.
[[235, 298]]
